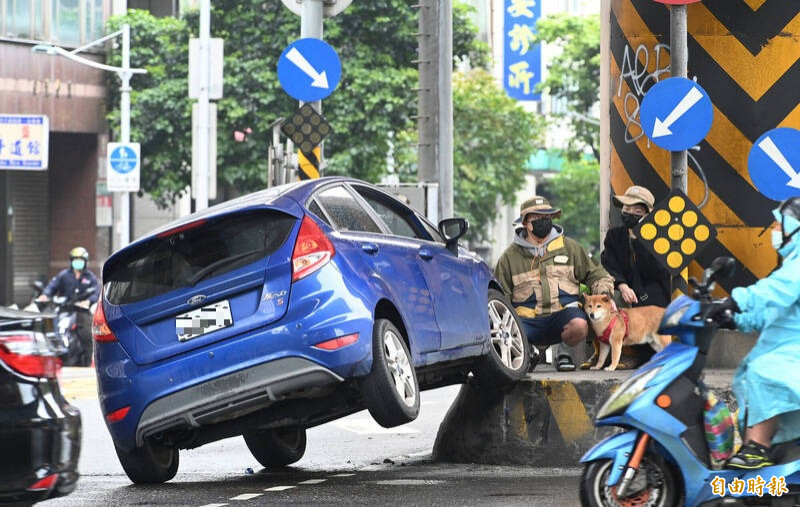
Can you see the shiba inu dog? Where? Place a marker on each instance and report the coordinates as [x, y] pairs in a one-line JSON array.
[[615, 328]]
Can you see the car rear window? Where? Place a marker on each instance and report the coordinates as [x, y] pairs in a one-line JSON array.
[[187, 257]]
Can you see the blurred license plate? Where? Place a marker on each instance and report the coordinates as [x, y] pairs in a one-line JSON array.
[[203, 320]]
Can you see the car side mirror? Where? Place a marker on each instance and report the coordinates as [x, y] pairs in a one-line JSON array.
[[453, 229]]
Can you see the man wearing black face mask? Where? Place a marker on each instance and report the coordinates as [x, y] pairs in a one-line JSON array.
[[639, 278], [541, 272]]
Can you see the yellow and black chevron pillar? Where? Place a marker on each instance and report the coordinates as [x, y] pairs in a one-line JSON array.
[[308, 164], [746, 55]]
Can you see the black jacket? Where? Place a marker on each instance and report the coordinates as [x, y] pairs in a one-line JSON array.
[[628, 261]]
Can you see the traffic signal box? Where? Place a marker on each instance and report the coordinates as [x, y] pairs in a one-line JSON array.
[[675, 232]]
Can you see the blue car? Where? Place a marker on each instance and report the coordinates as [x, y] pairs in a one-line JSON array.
[[285, 309]]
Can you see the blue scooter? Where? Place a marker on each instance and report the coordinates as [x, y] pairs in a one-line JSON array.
[[662, 457]]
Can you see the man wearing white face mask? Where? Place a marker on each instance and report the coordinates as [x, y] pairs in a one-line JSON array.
[[74, 283]]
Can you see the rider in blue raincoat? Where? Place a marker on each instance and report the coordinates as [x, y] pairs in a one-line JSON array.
[[767, 382]]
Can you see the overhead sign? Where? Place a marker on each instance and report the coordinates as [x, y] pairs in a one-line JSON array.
[[309, 69], [522, 58], [774, 163], [675, 232], [123, 167], [24, 141], [676, 114], [306, 128]]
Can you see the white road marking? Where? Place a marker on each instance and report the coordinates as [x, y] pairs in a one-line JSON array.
[[280, 488], [214, 505], [246, 496], [341, 475], [370, 427], [313, 481]]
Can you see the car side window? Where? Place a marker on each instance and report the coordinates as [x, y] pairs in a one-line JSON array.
[[314, 208], [345, 211], [435, 236], [393, 214]]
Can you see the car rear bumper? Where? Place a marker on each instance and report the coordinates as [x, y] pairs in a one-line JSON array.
[[233, 395]]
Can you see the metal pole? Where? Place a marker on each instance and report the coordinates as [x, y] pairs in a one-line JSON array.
[[679, 61], [201, 192], [445, 134], [125, 131], [311, 26]]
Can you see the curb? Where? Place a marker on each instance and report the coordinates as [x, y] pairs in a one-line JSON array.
[[545, 419]]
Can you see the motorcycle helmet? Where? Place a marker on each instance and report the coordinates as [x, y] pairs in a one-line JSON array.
[[788, 215], [78, 258]]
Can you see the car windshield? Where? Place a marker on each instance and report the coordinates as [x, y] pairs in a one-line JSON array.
[[187, 257]]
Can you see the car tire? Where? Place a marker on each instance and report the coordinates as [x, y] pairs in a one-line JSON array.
[[508, 357], [391, 390], [154, 462], [277, 447]]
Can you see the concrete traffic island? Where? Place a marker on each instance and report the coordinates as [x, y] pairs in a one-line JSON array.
[[547, 419]]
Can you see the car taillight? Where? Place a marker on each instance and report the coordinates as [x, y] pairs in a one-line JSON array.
[[118, 415], [27, 353], [312, 250], [337, 343], [100, 330]]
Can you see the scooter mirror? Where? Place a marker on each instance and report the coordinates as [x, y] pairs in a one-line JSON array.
[[721, 268]]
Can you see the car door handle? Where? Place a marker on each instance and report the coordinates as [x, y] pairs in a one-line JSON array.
[[425, 254], [370, 248]]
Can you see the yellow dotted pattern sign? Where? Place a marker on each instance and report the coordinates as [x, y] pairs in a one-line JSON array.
[[675, 232]]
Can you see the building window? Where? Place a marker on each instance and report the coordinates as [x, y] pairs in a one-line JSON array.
[[70, 22]]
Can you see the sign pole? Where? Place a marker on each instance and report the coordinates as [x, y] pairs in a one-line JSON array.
[[203, 109], [311, 26], [679, 61], [125, 132]]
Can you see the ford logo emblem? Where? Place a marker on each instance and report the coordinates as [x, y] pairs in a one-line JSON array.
[[196, 300]]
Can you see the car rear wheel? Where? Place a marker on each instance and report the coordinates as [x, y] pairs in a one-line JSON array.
[[390, 391], [508, 357], [278, 447], [154, 462]]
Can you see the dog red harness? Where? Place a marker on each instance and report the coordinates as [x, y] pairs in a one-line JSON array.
[[607, 333]]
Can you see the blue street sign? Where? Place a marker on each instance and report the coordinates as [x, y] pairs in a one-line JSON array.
[[123, 159], [309, 69], [123, 167], [774, 162], [676, 114], [522, 56]]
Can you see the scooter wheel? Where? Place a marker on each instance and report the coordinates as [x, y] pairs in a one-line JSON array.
[[653, 485]]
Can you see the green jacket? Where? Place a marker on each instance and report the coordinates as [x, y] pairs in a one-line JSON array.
[[544, 284]]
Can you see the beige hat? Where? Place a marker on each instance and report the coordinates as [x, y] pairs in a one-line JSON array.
[[537, 204], [635, 195]]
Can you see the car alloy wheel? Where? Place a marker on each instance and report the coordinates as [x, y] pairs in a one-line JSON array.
[[399, 368], [507, 338]]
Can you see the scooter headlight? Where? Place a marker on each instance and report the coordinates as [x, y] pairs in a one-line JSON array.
[[627, 392]]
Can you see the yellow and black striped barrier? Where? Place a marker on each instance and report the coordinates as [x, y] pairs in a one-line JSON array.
[[308, 164]]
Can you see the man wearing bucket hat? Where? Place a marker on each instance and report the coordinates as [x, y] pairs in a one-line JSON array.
[[542, 271]]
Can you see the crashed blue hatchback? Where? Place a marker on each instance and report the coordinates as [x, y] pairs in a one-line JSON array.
[[287, 308]]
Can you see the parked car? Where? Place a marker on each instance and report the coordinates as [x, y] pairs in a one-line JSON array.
[[40, 432], [287, 308]]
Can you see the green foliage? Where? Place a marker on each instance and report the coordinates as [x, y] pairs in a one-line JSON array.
[[575, 190], [375, 40], [574, 75], [493, 139]]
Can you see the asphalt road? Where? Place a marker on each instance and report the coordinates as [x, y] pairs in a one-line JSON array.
[[349, 461]]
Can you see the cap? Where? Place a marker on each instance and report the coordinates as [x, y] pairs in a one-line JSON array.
[[635, 195], [536, 204]]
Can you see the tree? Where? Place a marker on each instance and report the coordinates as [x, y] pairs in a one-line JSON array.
[[375, 40], [493, 139], [574, 75], [576, 191]]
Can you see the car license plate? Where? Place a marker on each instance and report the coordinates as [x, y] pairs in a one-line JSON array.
[[203, 320]]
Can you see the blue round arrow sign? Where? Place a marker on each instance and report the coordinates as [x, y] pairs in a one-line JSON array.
[[123, 160], [309, 69], [774, 163], [676, 114]]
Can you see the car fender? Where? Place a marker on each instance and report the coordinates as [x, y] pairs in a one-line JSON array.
[[617, 448]]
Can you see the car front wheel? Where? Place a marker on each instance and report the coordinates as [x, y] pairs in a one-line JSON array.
[[154, 462], [507, 359], [277, 447], [390, 391]]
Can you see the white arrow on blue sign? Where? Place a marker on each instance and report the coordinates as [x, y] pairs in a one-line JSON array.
[[676, 114], [309, 69], [774, 163], [123, 167]]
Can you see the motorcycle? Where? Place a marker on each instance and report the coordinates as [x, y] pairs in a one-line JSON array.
[[662, 457], [66, 308]]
